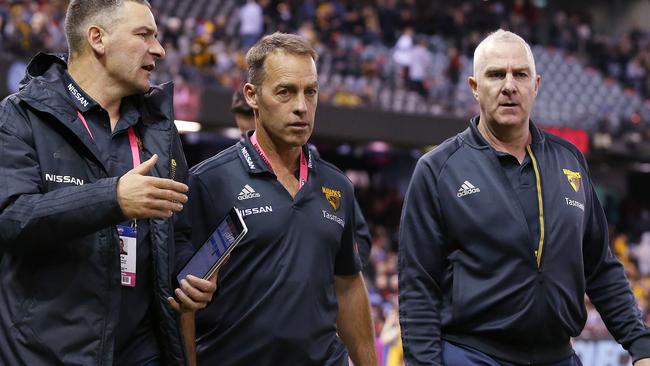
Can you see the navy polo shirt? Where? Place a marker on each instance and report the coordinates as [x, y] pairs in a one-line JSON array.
[[275, 302], [524, 184], [135, 340]]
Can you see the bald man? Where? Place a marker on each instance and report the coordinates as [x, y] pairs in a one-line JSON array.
[[502, 235]]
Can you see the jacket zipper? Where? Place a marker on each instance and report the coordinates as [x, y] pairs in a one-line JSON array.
[[540, 203], [173, 169]]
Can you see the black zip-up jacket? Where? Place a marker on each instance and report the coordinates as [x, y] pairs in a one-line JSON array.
[[60, 268], [470, 273]]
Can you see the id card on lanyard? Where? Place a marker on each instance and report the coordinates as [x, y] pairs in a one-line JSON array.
[[128, 234], [304, 169]]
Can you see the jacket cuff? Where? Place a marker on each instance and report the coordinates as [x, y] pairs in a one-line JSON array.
[[640, 348], [115, 211]]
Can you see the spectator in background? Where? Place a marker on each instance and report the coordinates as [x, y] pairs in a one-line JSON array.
[[419, 66], [251, 23], [244, 116], [402, 53], [453, 71], [642, 254]]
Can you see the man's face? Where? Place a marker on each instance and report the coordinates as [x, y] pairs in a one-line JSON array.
[[286, 101], [131, 48], [505, 84]]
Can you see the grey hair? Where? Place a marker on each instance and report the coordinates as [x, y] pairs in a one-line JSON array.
[[83, 13], [277, 42], [501, 36]]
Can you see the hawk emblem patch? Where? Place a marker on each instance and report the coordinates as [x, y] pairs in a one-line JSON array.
[[333, 197], [574, 178]]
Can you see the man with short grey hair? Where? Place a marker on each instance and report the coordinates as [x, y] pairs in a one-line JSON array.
[[502, 234], [291, 292]]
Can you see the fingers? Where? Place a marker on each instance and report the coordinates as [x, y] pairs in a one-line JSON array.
[[199, 294], [141, 196], [187, 302], [195, 293], [168, 184], [208, 286], [167, 195], [173, 304], [146, 166]]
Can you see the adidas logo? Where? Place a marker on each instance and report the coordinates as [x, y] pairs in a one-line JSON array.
[[247, 192], [467, 188]]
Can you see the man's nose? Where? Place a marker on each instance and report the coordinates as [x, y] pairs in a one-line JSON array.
[[157, 49], [509, 84], [300, 106]]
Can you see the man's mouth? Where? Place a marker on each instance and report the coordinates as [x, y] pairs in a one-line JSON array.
[[508, 104], [149, 68]]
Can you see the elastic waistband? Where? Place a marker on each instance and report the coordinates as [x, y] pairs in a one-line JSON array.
[[532, 354]]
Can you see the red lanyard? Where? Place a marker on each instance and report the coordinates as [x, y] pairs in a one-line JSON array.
[[133, 141], [304, 170]]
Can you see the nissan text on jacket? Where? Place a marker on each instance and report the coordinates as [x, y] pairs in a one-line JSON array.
[[60, 265]]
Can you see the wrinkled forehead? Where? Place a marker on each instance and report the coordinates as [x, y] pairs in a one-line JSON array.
[[501, 54], [281, 66]]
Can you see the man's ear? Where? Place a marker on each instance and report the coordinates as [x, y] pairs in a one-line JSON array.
[[95, 36], [251, 95], [471, 81]]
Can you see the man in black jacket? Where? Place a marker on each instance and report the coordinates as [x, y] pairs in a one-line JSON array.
[[72, 186], [502, 235]]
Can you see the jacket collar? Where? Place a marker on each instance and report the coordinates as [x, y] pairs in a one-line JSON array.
[[253, 162], [473, 136], [45, 89], [49, 88]]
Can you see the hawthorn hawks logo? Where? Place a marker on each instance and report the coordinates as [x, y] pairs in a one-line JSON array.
[[574, 178], [333, 197]]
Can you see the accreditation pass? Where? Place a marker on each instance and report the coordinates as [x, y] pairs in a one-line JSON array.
[[128, 238]]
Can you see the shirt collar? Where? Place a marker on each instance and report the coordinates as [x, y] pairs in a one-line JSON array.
[[254, 163], [82, 101], [473, 135], [129, 114]]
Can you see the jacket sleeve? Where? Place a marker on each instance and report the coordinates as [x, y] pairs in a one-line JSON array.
[[347, 261], [421, 266], [609, 289], [183, 248], [362, 235], [30, 217]]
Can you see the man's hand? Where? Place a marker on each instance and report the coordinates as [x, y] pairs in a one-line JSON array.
[[642, 362], [143, 197], [195, 294]]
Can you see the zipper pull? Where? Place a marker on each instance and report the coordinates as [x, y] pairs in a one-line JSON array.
[[173, 169]]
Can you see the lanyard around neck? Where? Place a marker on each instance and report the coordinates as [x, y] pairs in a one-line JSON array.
[[304, 170], [133, 141]]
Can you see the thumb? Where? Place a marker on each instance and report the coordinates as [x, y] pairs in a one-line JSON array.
[[145, 167]]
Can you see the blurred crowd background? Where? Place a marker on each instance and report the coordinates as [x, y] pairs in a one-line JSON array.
[[413, 57]]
